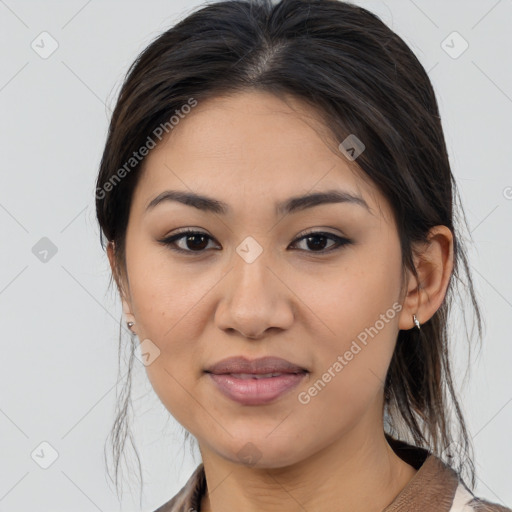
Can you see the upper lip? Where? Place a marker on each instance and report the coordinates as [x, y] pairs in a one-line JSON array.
[[256, 366]]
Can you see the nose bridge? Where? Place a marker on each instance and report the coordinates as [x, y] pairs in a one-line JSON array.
[[254, 299], [252, 277]]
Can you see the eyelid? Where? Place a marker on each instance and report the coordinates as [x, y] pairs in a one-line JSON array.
[[180, 233], [318, 231], [340, 241]]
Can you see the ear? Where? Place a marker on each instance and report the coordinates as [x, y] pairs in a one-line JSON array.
[[127, 310], [434, 265]]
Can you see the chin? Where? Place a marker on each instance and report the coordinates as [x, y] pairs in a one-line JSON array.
[[260, 451]]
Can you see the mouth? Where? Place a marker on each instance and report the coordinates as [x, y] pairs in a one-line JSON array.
[[262, 366], [255, 375], [255, 382]]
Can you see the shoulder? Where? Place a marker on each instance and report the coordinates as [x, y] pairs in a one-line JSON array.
[[465, 501], [188, 498], [480, 505], [435, 486]]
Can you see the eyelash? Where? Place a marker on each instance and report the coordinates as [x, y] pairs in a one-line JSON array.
[[339, 241]]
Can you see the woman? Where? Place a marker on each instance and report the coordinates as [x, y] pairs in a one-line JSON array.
[[279, 208]]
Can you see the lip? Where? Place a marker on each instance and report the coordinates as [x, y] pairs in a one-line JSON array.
[[257, 366], [236, 378]]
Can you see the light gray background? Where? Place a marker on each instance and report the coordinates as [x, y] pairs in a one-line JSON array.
[[60, 324]]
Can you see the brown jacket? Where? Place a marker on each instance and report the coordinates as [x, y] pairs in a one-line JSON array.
[[434, 488]]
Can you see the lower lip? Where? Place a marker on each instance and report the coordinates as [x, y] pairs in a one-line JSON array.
[[256, 391]]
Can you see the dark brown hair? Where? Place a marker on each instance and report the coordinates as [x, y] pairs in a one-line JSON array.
[[363, 79]]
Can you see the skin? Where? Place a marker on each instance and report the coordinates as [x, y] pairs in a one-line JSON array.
[[251, 150]]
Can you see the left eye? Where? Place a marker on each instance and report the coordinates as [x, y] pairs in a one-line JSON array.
[[197, 241], [317, 239]]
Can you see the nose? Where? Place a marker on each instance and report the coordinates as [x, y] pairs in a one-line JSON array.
[[254, 299]]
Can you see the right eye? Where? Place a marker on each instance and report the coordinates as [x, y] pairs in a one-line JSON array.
[[191, 241]]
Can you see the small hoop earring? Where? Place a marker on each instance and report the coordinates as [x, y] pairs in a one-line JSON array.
[[416, 322]]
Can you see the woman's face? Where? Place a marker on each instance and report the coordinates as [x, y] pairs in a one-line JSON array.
[[250, 284]]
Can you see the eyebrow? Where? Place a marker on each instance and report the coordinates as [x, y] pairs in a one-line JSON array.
[[291, 205]]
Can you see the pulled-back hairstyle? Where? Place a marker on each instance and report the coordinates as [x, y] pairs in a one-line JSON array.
[[362, 79]]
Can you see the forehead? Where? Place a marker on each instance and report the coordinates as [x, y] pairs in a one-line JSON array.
[[255, 144]]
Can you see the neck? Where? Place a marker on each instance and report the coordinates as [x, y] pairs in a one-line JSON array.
[[356, 472]]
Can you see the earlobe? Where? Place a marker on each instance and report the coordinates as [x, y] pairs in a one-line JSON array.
[[434, 265], [411, 303], [128, 316], [127, 311]]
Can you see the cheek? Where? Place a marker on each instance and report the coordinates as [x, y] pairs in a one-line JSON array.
[[351, 298], [359, 311], [166, 297], [169, 308], [173, 326]]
